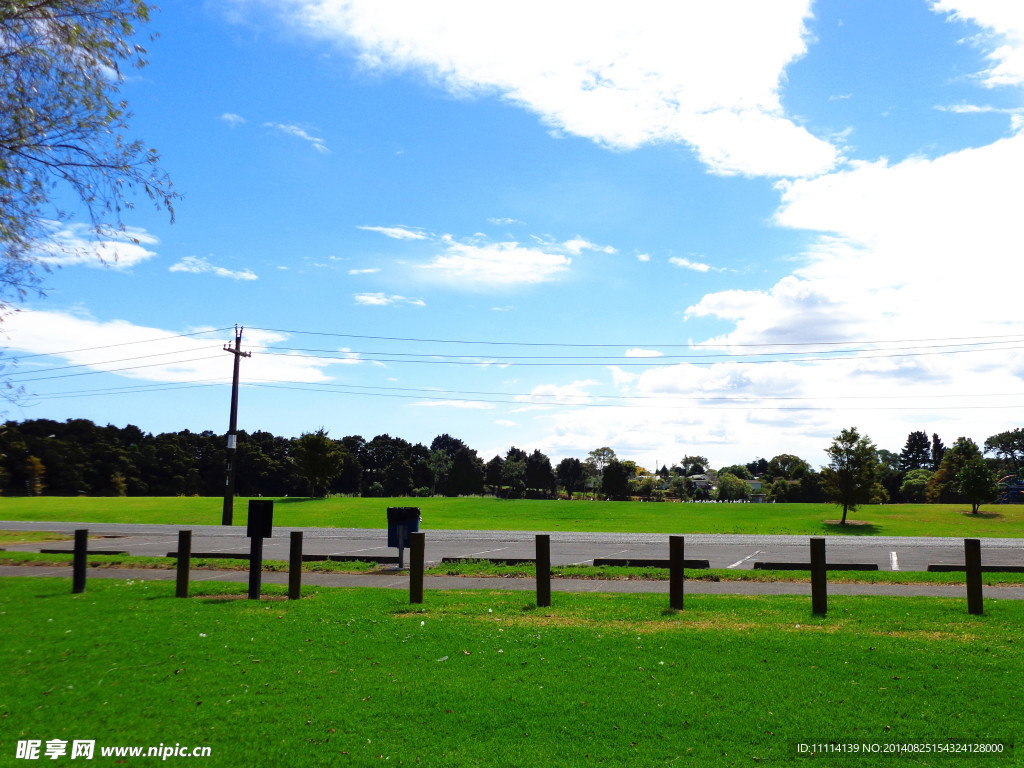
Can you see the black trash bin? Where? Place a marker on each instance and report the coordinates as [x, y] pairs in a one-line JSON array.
[[402, 522]]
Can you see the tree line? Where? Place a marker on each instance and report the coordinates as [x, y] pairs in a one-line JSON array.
[[77, 457]]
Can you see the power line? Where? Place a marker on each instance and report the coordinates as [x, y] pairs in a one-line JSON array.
[[647, 362], [117, 370], [101, 362], [119, 344], [951, 339]]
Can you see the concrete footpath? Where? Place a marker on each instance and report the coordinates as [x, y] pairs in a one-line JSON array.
[[400, 580]]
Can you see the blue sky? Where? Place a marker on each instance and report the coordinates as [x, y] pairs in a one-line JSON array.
[[729, 228]]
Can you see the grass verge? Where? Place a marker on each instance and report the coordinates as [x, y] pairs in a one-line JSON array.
[[357, 677], [486, 569]]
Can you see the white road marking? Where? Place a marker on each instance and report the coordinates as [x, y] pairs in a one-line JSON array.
[[349, 551], [609, 554], [741, 562], [894, 561], [474, 554]]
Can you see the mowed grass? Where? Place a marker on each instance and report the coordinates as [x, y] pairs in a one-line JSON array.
[[472, 513], [358, 677]]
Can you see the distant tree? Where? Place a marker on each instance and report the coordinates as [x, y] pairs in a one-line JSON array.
[[849, 478], [599, 458], [1008, 448], [118, 484], [976, 483], [731, 487], [513, 475], [615, 479], [944, 487], [36, 473], [889, 474], [757, 467], [569, 473], [539, 474], [916, 453], [493, 474], [440, 464], [317, 460], [914, 488], [468, 473], [938, 451], [736, 470], [694, 465], [787, 466]]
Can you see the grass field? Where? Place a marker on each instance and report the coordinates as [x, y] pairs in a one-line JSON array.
[[496, 514], [354, 677]]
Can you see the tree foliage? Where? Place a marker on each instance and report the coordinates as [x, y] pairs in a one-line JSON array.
[[317, 459], [63, 127], [916, 453], [849, 478], [976, 483], [944, 487]]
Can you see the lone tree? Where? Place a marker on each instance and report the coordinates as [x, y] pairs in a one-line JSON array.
[[318, 460], [849, 478], [976, 483], [62, 129]]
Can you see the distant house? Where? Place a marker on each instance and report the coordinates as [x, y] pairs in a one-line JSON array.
[[757, 494]]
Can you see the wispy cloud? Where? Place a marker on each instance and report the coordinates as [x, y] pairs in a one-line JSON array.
[[637, 352], [290, 129], [398, 233], [197, 265], [78, 245], [385, 300], [366, 271], [232, 119], [696, 266]]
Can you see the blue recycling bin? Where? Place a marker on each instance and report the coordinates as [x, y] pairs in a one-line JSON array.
[[402, 521]]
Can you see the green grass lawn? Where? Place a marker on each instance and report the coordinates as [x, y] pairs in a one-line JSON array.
[[356, 677], [497, 514]]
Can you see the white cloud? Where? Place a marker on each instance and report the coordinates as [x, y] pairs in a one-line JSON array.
[[232, 119], [476, 405], [577, 245], [504, 222], [367, 271], [397, 233], [553, 394], [637, 352], [696, 266], [197, 265], [385, 300], [78, 245], [152, 354], [1004, 22], [490, 265], [705, 74], [289, 129], [643, 257]]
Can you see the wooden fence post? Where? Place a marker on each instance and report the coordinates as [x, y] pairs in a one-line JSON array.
[[78, 564], [972, 561], [184, 562], [675, 563], [417, 545], [543, 570], [819, 578], [295, 566]]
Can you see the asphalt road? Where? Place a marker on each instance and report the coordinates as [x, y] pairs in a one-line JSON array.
[[720, 550]]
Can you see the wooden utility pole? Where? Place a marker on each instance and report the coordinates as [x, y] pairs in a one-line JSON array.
[[229, 484]]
